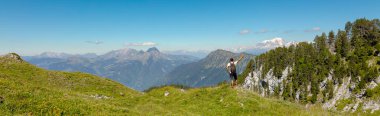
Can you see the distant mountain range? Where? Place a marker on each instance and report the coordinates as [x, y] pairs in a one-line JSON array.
[[198, 53], [141, 70], [207, 71], [136, 69]]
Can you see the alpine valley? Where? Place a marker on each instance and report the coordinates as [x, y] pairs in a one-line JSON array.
[[141, 70]]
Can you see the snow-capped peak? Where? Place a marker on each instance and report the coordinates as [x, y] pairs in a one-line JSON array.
[[263, 46], [275, 42], [153, 49], [54, 55]]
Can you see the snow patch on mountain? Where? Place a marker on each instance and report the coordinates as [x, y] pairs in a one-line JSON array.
[[54, 55], [196, 53], [264, 46]]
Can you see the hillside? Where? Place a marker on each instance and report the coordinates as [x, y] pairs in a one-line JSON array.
[[340, 71], [27, 89], [24, 88], [208, 71]]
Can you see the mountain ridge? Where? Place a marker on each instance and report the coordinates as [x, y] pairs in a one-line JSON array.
[[136, 69], [208, 71]]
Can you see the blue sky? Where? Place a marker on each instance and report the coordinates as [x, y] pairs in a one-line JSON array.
[[29, 27]]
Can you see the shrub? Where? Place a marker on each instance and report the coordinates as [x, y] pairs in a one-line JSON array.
[[313, 98], [248, 69], [368, 93], [342, 103]]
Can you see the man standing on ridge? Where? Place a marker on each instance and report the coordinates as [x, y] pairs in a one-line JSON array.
[[231, 69]]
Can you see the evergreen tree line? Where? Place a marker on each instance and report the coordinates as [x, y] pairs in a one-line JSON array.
[[352, 52]]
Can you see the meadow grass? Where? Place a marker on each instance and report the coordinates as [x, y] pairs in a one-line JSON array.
[[28, 90]]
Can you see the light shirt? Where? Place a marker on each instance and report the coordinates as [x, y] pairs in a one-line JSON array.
[[229, 64]]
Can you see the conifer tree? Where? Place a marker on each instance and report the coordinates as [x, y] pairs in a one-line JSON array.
[[331, 40]]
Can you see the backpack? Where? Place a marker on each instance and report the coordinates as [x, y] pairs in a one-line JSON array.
[[232, 68]]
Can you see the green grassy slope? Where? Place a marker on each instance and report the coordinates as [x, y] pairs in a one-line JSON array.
[[26, 89], [219, 100]]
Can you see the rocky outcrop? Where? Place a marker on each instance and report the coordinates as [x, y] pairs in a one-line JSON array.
[[371, 105], [265, 86], [341, 92], [11, 57]]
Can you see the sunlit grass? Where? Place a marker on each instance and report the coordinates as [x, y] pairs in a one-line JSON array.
[[26, 89]]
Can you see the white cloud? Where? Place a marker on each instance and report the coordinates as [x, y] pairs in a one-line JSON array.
[[94, 42], [262, 31], [142, 44], [314, 29], [245, 31], [288, 31]]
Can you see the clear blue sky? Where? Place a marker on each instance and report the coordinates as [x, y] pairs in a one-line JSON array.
[[30, 27]]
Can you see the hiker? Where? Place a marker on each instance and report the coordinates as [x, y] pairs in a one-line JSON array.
[[231, 69]]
